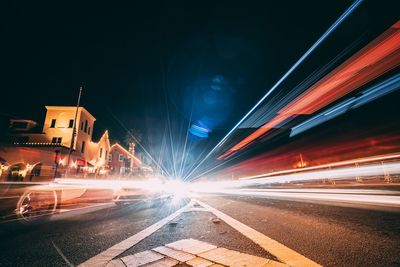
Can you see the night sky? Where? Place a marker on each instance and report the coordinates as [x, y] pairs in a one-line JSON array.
[[141, 61]]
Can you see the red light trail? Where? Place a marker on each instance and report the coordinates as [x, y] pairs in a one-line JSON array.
[[378, 57]]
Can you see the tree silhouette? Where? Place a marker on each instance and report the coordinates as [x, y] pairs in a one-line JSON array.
[[133, 136]]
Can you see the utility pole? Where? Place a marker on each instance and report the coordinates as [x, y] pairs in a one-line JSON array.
[[73, 131]]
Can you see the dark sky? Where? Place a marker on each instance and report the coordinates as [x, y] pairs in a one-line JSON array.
[[142, 59]]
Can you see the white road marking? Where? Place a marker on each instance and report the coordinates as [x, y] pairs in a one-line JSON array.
[[283, 253], [142, 258], [195, 209], [194, 253], [62, 254], [104, 257]]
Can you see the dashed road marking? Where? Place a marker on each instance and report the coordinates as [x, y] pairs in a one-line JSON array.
[[106, 256], [283, 253]]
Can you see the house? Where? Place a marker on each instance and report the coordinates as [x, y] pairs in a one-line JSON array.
[[35, 153], [123, 162]]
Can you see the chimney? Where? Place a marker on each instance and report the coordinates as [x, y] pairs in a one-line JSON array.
[[132, 148]]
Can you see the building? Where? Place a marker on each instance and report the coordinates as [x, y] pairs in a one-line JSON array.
[[123, 162], [35, 153], [58, 128]]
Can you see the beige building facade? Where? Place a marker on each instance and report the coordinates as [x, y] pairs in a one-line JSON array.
[[49, 148]]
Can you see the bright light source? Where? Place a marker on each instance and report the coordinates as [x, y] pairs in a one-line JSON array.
[[177, 188]]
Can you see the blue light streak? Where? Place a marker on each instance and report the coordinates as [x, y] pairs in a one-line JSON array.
[[390, 85], [302, 58]]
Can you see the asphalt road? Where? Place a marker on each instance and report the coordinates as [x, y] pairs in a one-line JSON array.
[[329, 235]]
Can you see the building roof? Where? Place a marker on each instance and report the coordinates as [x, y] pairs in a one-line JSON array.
[[70, 108], [104, 135], [121, 148]]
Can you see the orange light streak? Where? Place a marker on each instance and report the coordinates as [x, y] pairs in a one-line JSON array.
[[378, 57]]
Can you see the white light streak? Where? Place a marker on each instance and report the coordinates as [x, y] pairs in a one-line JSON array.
[[279, 82]]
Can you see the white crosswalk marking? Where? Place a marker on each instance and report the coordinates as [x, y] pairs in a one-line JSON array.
[[279, 250], [198, 253]]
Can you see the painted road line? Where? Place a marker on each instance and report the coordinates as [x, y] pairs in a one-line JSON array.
[[283, 253], [104, 257], [196, 209]]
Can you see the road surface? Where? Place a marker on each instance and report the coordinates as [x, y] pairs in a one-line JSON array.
[[329, 235]]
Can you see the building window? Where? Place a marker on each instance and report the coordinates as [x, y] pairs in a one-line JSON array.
[[101, 152], [86, 125], [71, 124], [53, 123], [88, 131], [105, 155], [82, 125], [56, 140], [83, 147], [121, 157]]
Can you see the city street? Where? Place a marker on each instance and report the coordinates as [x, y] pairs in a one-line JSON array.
[[207, 133], [329, 235]]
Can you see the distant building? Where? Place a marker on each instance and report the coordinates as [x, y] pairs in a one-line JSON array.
[[123, 162], [38, 154]]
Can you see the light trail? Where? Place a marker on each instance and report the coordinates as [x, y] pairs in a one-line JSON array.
[[343, 173], [331, 191], [375, 59], [184, 155], [375, 92], [151, 184], [279, 82], [330, 165], [369, 197], [213, 168], [159, 165]]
